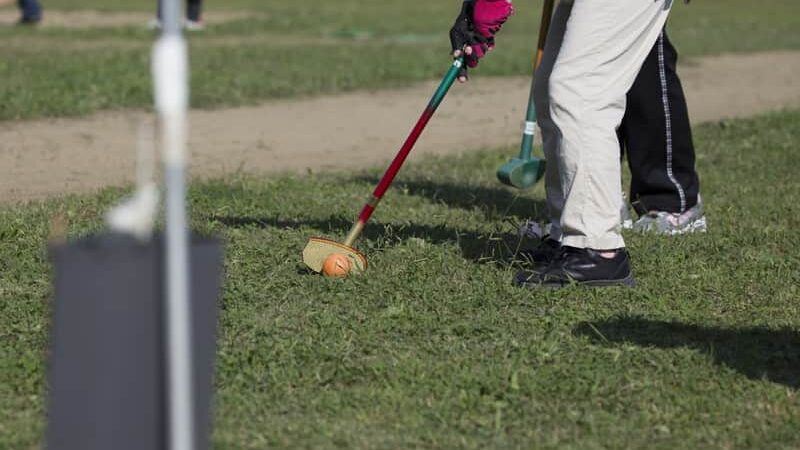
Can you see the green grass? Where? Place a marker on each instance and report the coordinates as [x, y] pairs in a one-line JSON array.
[[434, 348], [306, 47]]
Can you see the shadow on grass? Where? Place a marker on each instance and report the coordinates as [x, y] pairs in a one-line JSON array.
[[497, 248], [758, 353], [494, 202]]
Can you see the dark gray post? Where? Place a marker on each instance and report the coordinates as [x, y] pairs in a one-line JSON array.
[[108, 383]]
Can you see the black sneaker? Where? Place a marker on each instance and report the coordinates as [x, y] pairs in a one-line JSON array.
[[542, 255], [581, 266]]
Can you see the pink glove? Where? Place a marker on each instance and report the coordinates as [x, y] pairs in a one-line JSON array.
[[476, 27], [488, 17]]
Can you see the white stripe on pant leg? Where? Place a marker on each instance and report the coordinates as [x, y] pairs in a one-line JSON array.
[[668, 118]]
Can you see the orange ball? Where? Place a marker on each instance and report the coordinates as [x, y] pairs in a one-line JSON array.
[[336, 265]]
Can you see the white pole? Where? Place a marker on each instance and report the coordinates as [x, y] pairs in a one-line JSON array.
[[170, 71]]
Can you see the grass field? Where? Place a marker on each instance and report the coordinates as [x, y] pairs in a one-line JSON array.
[[434, 348], [306, 47]]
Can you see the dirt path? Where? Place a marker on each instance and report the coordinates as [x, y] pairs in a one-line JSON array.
[[49, 157]]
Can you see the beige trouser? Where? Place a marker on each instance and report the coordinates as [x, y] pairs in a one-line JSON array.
[[594, 51]]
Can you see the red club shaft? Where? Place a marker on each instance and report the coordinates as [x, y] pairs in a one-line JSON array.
[[397, 164], [408, 145]]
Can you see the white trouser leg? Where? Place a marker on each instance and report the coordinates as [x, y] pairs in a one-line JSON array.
[[595, 51], [550, 134]]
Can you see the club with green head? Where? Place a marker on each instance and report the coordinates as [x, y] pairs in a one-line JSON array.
[[526, 170]]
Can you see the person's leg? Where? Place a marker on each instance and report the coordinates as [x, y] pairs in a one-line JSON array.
[[31, 10], [157, 22], [604, 46], [538, 257], [555, 196], [658, 136], [194, 10]]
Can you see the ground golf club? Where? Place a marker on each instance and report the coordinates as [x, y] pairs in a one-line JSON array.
[[318, 249], [526, 170]]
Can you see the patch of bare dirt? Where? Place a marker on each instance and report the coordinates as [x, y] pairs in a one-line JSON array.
[[43, 158]]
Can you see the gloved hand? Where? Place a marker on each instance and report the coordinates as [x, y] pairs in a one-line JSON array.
[[475, 28]]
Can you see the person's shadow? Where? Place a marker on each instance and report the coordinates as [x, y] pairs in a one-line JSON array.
[[758, 353], [493, 201], [483, 247], [500, 248]]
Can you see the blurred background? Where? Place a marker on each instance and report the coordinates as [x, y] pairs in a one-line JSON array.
[[92, 54], [439, 350]]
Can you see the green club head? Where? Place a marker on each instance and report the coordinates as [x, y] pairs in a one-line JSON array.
[[521, 173]]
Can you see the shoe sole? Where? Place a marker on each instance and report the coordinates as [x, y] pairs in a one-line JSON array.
[[627, 282], [696, 226]]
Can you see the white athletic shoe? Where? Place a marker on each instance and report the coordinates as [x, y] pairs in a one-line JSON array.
[[658, 222], [194, 25], [661, 222]]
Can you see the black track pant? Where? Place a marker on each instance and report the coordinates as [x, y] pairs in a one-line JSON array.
[[656, 134]]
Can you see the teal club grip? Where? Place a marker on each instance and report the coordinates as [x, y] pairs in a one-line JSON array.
[[446, 83], [529, 131]]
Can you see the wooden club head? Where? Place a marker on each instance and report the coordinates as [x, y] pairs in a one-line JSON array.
[[318, 249]]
